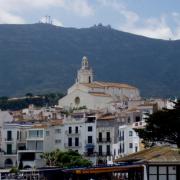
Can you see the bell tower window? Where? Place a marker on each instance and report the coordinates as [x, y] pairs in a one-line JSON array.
[[85, 74]]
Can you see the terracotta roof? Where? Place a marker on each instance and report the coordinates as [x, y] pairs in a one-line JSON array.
[[99, 94], [44, 126], [132, 110], [116, 85], [106, 117], [56, 122], [147, 104], [159, 154], [98, 84], [92, 85]]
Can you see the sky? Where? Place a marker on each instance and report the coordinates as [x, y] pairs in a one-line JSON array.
[[152, 18]]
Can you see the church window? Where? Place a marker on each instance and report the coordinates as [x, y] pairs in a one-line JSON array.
[[89, 79], [77, 100]]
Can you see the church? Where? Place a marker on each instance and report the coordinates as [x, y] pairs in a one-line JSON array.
[[96, 95]]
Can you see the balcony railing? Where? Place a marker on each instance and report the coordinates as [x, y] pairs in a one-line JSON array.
[[93, 154], [139, 124], [104, 154], [21, 141], [66, 145], [8, 139], [34, 137], [89, 146], [13, 152], [103, 140], [72, 133]]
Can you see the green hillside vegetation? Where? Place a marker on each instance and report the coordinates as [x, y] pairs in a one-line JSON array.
[[42, 58], [14, 104]]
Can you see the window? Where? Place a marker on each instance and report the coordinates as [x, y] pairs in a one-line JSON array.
[[122, 136], [89, 79], [39, 145], [9, 148], [153, 173], [100, 136], [57, 141], [18, 135], [120, 148], [57, 131], [108, 138], [76, 129], [162, 173], [114, 152], [129, 120], [35, 133], [119, 135], [100, 150], [69, 141], [70, 130], [108, 150], [47, 133], [9, 135], [172, 172], [130, 145], [130, 133], [39, 133], [137, 118], [123, 149], [90, 139], [136, 149], [77, 100], [76, 141], [90, 128]]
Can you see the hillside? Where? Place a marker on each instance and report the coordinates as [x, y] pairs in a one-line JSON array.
[[43, 58]]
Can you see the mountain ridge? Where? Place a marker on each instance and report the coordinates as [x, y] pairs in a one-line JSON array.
[[41, 58]]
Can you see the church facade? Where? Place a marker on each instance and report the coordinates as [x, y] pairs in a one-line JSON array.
[[96, 95]]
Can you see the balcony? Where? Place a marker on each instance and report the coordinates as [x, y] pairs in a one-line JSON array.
[[21, 141], [103, 140], [34, 138], [139, 125], [66, 145], [89, 146], [9, 140], [104, 154], [12, 152], [92, 154], [72, 133]]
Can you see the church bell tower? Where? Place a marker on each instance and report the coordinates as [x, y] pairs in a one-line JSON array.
[[85, 74]]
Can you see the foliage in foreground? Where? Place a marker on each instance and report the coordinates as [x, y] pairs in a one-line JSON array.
[[163, 127], [65, 159]]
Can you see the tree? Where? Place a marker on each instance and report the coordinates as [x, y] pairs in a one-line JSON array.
[[162, 127], [29, 95], [65, 159]]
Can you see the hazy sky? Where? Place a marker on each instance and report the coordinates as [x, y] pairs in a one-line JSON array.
[[152, 18]]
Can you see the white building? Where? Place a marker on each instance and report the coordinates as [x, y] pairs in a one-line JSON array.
[[41, 138], [107, 135], [80, 134], [93, 94], [13, 139], [129, 142]]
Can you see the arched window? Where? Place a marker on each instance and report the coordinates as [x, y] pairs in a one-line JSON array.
[[77, 100], [8, 163]]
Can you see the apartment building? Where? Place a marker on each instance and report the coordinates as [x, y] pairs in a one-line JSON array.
[[13, 139], [80, 134]]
